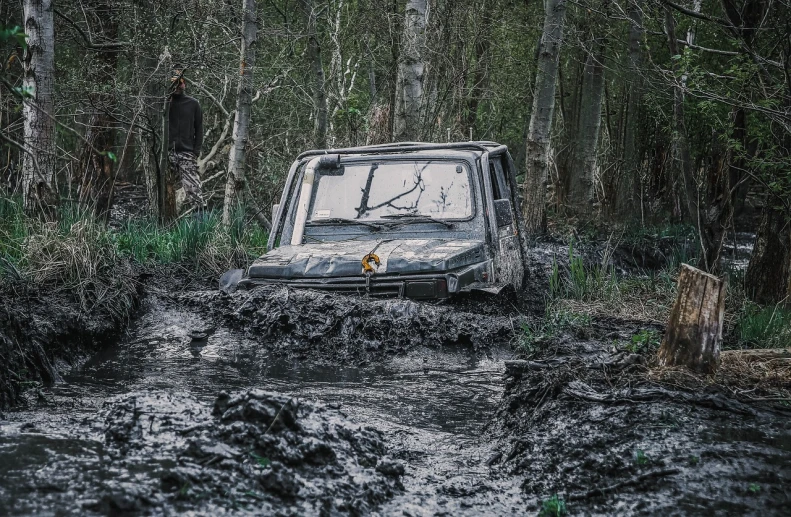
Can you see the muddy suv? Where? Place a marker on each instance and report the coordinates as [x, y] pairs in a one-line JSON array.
[[413, 220]]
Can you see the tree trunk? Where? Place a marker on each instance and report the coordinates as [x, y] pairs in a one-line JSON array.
[[537, 148], [166, 178], [716, 209], [480, 76], [581, 191], [411, 69], [317, 69], [148, 143], [768, 277], [628, 188], [694, 330], [38, 165], [96, 168], [241, 124], [684, 202]]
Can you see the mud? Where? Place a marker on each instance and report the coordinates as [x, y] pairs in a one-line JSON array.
[[134, 429], [280, 401], [45, 331], [338, 329], [581, 419], [252, 452]]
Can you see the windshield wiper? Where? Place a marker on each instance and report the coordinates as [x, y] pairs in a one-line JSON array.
[[418, 218], [341, 220]]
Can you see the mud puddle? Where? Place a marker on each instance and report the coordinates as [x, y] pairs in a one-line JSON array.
[[429, 408]]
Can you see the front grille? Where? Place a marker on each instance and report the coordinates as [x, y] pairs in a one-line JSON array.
[[413, 286]]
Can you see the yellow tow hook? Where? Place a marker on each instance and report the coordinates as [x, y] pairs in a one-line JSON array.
[[368, 270]]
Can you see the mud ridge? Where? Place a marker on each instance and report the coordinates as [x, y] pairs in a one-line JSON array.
[[253, 452], [582, 420], [341, 329]]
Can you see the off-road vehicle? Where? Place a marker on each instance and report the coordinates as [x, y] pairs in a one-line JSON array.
[[416, 220]]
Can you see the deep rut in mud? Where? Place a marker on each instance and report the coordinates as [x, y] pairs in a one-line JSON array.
[[298, 403], [141, 428]]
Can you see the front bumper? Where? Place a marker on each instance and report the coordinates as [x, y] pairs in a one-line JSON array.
[[416, 286]]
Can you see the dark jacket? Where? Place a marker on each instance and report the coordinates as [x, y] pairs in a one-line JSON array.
[[186, 125]]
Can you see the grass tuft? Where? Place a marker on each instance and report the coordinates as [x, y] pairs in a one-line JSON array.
[[554, 322], [597, 290], [553, 507], [764, 327]]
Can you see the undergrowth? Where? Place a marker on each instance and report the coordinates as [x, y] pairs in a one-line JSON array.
[[79, 253], [597, 290], [554, 322], [764, 327]]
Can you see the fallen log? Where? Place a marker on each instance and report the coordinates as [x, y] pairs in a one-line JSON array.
[[694, 329]]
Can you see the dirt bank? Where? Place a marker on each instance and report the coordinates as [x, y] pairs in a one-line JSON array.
[[338, 329], [44, 330], [609, 432]]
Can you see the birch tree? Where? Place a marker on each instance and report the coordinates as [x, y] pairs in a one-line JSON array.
[[38, 166], [241, 125], [540, 128], [411, 71]]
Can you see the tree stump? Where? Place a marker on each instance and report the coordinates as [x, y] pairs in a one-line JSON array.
[[694, 330]]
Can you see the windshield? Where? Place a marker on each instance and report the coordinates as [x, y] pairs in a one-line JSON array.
[[376, 190]]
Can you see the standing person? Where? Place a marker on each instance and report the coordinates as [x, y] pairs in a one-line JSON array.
[[184, 143]]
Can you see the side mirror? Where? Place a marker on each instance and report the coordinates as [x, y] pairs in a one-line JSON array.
[[274, 211], [503, 213]]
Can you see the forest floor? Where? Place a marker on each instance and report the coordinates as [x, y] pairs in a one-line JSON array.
[[301, 402]]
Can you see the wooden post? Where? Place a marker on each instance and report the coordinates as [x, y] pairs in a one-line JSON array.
[[694, 330]]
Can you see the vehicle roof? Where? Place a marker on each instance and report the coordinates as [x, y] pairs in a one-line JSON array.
[[460, 149]]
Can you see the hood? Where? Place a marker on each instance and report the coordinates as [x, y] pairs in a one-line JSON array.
[[344, 258]]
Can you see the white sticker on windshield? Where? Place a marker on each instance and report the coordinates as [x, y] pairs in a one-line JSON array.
[[322, 214]]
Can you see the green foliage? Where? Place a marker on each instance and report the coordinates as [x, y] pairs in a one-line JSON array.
[[12, 231], [553, 507], [260, 460], [190, 239], [754, 488], [764, 327], [640, 458], [583, 282], [76, 247], [554, 322], [14, 34], [646, 339]]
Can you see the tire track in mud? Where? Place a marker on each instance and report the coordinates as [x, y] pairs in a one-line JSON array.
[[139, 433]]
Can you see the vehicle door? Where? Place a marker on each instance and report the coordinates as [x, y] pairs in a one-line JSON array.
[[509, 265]]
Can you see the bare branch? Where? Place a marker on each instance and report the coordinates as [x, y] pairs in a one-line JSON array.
[[89, 44]]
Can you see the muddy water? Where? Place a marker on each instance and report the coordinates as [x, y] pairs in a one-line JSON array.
[[431, 405]]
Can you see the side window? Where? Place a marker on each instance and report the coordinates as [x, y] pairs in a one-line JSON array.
[[499, 182]]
